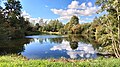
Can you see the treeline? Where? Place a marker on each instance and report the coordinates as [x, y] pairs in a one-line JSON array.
[[51, 26], [12, 24], [104, 29], [111, 24]]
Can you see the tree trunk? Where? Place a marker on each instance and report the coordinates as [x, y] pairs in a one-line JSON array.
[[118, 20], [118, 32]]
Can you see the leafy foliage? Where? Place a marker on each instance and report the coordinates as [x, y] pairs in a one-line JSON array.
[[12, 24], [53, 26]]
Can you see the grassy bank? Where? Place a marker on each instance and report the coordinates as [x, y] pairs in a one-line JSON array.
[[53, 33], [18, 61]]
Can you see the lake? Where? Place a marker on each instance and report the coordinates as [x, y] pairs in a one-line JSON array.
[[49, 46]]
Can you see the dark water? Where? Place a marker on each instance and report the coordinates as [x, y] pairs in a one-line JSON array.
[[49, 46]]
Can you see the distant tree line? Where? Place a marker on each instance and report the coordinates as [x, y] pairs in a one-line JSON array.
[[51, 26], [104, 29]]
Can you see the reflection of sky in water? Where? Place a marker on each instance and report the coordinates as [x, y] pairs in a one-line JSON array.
[[45, 36], [83, 50], [41, 47]]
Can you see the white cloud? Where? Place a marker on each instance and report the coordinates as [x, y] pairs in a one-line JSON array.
[[25, 14], [82, 6], [83, 50], [28, 17], [85, 20], [63, 46], [89, 4], [74, 4], [75, 9]]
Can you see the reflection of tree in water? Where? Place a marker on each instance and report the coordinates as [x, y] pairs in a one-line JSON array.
[[52, 40], [73, 38], [12, 46], [74, 45], [84, 39], [76, 49], [56, 40], [41, 40], [90, 40], [73, 41]]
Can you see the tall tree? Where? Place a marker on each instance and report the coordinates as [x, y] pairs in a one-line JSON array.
[[14, 25], [113, 8], [13, 6], [55, 25], [73, 22]]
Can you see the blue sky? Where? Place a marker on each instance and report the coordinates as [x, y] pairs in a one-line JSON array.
[[60, 9]]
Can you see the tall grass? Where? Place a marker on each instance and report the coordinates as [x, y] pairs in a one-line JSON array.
[[18, 61]]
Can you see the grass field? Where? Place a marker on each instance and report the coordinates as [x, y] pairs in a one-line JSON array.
[[18, 61]]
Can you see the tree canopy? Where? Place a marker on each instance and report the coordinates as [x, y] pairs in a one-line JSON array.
[[12, 24]]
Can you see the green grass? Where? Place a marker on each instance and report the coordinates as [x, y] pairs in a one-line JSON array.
[[18, 61]]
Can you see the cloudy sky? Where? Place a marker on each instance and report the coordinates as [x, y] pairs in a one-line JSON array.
[[61, 9]]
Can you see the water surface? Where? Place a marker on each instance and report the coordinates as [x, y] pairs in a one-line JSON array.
[[49, 46]]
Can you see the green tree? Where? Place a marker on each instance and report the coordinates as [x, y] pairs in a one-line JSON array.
[[12, 24], [113, 9], [55, 25], [76, 29], [73, 22]]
